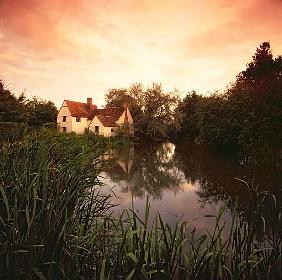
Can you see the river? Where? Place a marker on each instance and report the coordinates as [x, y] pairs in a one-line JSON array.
[[183, 180]]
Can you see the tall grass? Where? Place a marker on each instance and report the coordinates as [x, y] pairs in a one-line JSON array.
[[56, 224], [155, 250], [48, 206]]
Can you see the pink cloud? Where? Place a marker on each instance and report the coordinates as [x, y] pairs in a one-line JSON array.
[[87, 46]]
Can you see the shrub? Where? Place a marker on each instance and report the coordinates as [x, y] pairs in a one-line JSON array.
[[10, 131]]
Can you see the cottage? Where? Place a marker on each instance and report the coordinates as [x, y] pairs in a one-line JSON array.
[[79, 117]]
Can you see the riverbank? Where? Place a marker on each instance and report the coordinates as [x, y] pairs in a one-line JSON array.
[[56, 224]]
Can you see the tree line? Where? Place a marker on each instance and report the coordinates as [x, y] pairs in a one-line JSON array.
[[33, 112], [247, 116], [19, 114]]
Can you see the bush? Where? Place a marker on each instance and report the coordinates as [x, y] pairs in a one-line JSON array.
[[10, 131]]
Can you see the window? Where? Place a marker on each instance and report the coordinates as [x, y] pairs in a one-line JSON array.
[[64, 118], [112, 130], [96, 129], [78, 119], [64, 129]]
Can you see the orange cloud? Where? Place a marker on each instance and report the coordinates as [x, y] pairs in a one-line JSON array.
[[77, 48]]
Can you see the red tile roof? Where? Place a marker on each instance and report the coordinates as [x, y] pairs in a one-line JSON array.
[[108, 116], [79, 109], [106, 121]]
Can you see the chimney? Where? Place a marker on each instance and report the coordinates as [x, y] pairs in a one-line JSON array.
[[125, 105], [89, 103]]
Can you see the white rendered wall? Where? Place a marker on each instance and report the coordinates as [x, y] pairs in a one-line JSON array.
[[79, 127], [96, 122], [64, 111], [103, 130]]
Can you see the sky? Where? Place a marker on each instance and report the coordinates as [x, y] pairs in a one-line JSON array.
[[74, 49]]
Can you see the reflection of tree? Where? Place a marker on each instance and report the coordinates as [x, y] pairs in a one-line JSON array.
[[217, 175], [152, 169]]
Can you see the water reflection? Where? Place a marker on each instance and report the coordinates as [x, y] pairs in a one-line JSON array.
[[145, 169], [220, 176], [183, 179]]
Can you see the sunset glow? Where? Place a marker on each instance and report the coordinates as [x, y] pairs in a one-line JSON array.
[[74, 49]]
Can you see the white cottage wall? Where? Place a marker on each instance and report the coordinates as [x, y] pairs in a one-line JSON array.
[[79, 127], [96, 122], [109, 131], [64, 112]]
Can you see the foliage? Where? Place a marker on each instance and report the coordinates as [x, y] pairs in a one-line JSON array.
[[152, 109], [50, 201], [158, 112], [11, 107], [33, 112], [11, 131], [56, 224], [187, 111], [247, 116], [152, 249], [40, 112], [122, 97]]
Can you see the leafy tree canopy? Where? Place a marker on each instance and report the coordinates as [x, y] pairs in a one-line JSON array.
[[34, 112], [153, 109], [248, 115]]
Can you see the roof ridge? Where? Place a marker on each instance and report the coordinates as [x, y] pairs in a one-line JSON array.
[[75, 101], [120, 107], [80, 109]]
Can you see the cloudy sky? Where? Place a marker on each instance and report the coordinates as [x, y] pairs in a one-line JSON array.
[[73, 49]]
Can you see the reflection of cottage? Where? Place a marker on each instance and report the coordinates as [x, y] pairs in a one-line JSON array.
[[126, 162], [78, 117]]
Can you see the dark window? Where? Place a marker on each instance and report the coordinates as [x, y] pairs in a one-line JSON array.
[[78, 119], [96, 129], [112, 130], [64, 118], [64, 129]]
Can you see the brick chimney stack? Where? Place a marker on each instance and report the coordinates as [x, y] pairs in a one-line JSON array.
[[89, 103], [125, 105]]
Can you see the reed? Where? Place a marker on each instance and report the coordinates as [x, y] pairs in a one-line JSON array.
[[56, 223], [141, 250], [48, 205]]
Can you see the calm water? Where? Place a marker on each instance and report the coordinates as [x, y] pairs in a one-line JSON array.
[[182, 180]]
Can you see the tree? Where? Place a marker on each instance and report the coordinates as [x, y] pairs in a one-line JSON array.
[[247, 115], [11, 107], [153, 110], [257, 97], [131, 97], [261, 66], [188, 112], [40, 112], [33, 112], [159, 113]]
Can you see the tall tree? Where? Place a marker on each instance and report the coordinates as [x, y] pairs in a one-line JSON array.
[[153, 110], [159, 119], [40, 112], [11, 108], [130, 97], [247, 116], [188, 112], [34, 112]]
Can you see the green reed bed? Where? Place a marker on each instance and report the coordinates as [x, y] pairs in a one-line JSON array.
[[56, 224], [141, 250], [46, 205]]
